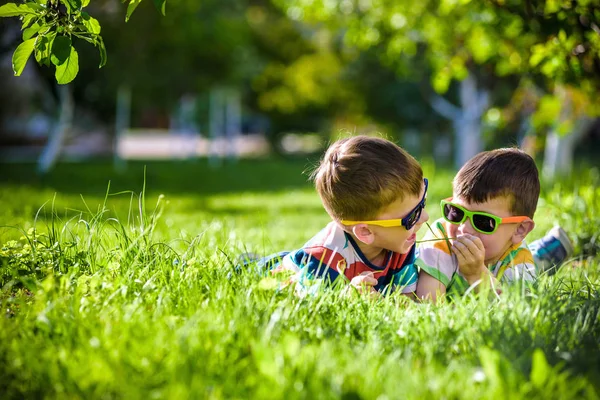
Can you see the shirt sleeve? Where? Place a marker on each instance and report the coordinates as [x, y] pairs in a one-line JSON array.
[[435, 258], [518, 266], [314, 266]]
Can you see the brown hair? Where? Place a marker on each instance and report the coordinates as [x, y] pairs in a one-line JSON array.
[[360, 176], [506, 172]]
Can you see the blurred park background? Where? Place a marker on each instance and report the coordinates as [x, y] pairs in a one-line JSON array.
[[223, 79]]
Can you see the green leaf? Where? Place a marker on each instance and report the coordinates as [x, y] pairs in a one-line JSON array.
[[13, 10], [85, 3], [61, 50], [91, 24], [68, 5], [441, 81], [565, 127], [160, 6], [72, 5], [68, 70], [539, 369], [102, 51], [268, 284], [21, 55], [562, 36], [34, 6], [27, 20], [86, 38], [538, 53], [131, 8], [43, 48], [480, 45], [552, 6], [44, 29], [31, 31], [490, 361]]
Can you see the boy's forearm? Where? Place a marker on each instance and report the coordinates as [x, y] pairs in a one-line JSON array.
[[429, 288]]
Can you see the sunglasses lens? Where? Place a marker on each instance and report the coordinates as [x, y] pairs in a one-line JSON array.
[[413, 218], [483, 223], [453, 214]]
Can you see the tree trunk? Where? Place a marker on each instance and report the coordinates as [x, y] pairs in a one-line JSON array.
[[466, 119], [560, 148], [216, 126], [233, 122], [122, 123], [468, 126], [57, 136]]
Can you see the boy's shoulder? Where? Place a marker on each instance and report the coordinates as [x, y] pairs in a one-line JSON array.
[[516, 254], [330, 246], [331, 237]]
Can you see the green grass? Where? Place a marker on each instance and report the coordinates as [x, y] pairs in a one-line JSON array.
[[106, 296]]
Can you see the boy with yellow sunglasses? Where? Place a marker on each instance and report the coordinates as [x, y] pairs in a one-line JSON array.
[[483, 228], [375, 194]]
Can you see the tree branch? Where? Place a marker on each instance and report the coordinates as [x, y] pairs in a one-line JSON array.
[[445, 108]]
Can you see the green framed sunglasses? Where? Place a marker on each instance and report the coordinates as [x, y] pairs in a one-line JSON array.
[[481, 221]]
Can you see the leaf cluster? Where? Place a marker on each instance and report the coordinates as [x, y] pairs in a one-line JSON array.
[[554, 42], [49, 28], [36, 256]]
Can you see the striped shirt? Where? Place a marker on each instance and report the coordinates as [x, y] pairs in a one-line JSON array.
[[435, 258], [333, 254]]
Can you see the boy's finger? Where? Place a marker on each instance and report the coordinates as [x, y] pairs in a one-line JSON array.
[[464, 240], [477, 241], [460, 256], [461, 248], [471, 244], [364, 280], [369, 280]]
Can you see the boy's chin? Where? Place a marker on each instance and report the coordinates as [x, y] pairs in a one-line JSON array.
[[405, 248]]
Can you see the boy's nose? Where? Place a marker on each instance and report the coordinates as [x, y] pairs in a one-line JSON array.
[[466, 227], [424, 217]]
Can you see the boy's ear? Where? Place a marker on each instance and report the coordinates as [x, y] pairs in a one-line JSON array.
[[522, 230], [363, 233]]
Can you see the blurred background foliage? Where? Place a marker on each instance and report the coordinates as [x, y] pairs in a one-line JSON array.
[[321, 66]]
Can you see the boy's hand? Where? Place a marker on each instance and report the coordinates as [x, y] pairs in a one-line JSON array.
[[470, 253], [365, 283]]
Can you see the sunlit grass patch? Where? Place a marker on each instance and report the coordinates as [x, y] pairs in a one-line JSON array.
[[138, 296]]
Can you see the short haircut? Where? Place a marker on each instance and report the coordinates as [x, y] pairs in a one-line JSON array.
[[359, 176], [508, 172]]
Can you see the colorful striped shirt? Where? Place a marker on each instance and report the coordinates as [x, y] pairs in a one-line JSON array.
[[333, 253], [435, 258]]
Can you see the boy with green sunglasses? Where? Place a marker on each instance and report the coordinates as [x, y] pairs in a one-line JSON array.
[[483, 228]]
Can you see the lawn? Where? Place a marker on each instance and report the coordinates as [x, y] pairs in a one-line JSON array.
[[129, 289]]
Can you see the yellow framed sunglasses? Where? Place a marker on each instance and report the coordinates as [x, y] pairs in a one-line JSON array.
[[407, 222]]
